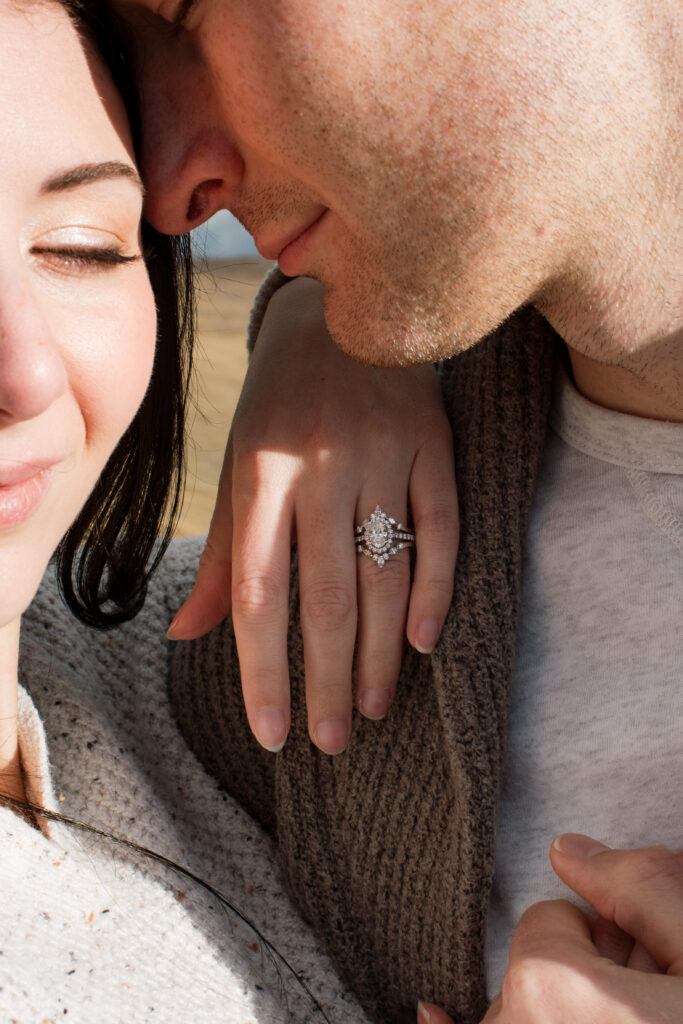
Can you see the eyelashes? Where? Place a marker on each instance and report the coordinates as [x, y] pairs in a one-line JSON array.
[[69, 258]]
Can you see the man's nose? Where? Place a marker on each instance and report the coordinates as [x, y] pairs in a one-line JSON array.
[[32, 372], [190, 164]]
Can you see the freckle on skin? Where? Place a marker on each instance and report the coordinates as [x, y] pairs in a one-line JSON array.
[[540, 230]]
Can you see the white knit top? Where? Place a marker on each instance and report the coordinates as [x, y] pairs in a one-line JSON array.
[[92, 932]]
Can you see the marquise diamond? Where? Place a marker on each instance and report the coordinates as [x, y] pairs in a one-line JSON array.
[[377, 534], [380, 536]]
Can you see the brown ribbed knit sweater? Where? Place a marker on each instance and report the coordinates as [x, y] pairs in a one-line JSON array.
[[389, 846]]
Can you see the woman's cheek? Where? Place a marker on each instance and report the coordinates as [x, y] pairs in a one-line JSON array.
[[143, 329], [119, 365]]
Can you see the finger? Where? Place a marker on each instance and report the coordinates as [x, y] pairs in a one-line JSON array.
[[428, 1013], [210, 600], [611, 942], [383, 592], [554, 968], [551, 963], [641, 960], [494, 1015], [640, 890], [262, 510], [327, 581], [619, 947], [552, 929], [434, 504]]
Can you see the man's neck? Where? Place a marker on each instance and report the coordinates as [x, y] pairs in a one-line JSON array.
[[617, 297], [653, 390], [620, 309], [625, 332]]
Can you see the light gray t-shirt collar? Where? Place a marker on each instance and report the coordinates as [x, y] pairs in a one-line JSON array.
[[633, 442]]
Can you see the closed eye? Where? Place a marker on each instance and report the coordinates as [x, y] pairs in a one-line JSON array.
[[88, 258]]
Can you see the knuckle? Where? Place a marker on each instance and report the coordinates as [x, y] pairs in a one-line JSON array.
[[439, 521], [437, 590], [542, 979], [247, 476], [654, 869], [526, 985], [259, 468], [257, 597], [328, 698], [327, 606], [534, 919], [521, 978], [653, 863], [215, 556], [264, 685], [246, 459], [388, 581], [530, 987]]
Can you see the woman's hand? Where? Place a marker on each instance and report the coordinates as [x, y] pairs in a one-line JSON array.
[[559, 969], [317, 442]]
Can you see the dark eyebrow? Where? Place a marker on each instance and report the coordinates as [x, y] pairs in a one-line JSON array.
[[85, 174]]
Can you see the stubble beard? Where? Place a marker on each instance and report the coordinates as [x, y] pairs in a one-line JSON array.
[[422, 303]]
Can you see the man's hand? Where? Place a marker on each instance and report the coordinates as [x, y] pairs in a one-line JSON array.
[[557, 973], [317, 442]]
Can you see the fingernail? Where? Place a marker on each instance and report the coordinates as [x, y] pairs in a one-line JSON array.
[[172, 632], [423, 1014], [374, 703], [573, 844], [270, 729], [427, 635], [332, 735]]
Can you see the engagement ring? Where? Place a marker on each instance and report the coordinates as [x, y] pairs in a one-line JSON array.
[[379, 537]]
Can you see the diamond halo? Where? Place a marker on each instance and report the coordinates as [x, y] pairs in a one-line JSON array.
[[380, 536]]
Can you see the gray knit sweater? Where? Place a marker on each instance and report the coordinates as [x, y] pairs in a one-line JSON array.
[[388, 847], [92, 933]]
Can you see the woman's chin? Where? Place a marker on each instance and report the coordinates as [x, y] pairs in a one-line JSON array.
[[21, 572]]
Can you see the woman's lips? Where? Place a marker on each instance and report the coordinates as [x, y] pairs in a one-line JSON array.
[[21, 495]]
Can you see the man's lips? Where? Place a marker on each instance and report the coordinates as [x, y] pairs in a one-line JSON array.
[[273, 248]]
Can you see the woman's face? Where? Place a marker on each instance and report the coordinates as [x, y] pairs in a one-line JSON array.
[[77, 315]]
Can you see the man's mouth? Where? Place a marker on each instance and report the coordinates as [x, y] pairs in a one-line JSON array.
[[274, 247]]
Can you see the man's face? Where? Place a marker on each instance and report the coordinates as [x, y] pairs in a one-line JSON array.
[[411, 156]]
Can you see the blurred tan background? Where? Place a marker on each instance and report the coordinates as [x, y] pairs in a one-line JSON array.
[[226, 292]]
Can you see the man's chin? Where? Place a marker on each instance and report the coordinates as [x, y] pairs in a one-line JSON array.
[[388, 335]]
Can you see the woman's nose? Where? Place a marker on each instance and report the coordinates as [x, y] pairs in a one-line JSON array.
[[32, 372]]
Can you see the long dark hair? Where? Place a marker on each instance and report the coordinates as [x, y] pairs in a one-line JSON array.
[[106, 558], [109, 553]]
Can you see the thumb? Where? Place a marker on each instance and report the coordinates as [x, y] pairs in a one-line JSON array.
[[641, 891], [210, 600]]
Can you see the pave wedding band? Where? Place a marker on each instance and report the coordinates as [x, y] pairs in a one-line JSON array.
[[379, 537]]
